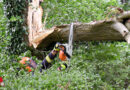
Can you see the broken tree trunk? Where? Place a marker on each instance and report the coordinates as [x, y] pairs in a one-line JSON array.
[[112, 29], [34, 19]]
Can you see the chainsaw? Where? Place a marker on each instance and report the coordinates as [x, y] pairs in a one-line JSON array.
[[68, 47]]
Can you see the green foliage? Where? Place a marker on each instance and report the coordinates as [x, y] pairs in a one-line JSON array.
[[127, 6], [67, 11], [94, 65], [3, 40], [14, 11], [1, 6]]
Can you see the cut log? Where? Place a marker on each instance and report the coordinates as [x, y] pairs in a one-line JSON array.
[[122, 29], [99, 30], [112, 29]]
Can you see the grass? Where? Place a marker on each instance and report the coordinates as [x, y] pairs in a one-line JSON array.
[[94, 65]]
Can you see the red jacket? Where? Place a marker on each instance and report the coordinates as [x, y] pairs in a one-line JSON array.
[[23, 61]]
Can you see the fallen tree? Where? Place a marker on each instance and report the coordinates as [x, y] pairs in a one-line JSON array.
[[117, 28]]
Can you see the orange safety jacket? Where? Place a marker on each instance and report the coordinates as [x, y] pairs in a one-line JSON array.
[[62, 55], [23, 61]]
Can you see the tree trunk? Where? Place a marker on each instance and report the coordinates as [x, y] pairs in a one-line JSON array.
[[112, 29], [123, 1], [34, 19], [99, 30]]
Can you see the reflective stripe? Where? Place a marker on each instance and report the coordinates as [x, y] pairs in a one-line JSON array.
[[56, 45], [48, 59], [63, 66]]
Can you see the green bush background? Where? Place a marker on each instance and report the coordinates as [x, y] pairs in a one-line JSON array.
[[94, 65]]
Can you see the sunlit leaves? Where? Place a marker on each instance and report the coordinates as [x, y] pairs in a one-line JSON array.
[[67, 11]]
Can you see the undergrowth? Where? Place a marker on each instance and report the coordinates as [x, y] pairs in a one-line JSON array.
[[94, 65]]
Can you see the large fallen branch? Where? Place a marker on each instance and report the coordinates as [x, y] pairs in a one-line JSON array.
[[99, 30], [112, 29]]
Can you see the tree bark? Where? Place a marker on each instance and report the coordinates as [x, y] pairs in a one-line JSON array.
[[112, 29], [123, 1], [122, 30], [99, 30]]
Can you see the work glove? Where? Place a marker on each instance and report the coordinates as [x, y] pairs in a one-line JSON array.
[[62, 67]]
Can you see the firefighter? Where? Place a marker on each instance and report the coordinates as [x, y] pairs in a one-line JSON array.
[[28, 64], [1, 82], [47, 62]]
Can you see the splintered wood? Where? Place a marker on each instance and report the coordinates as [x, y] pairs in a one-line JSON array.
[[34, 20]]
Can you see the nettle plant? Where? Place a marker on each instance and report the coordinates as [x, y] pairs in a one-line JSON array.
[[15, 11]]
